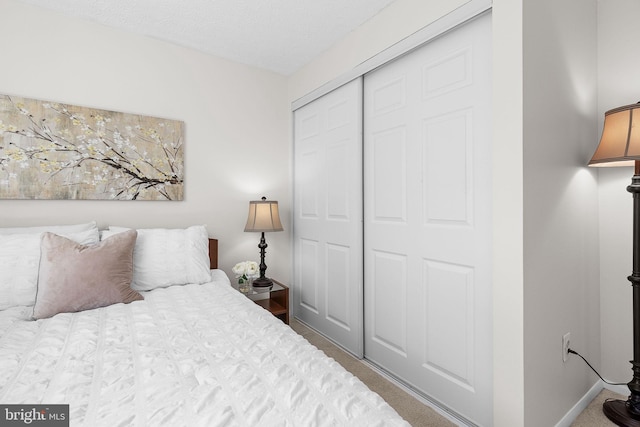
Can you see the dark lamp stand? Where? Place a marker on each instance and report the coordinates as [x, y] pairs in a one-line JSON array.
[[627, 413], [262, 281]]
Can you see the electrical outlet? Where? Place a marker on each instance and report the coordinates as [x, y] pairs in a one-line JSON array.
[[566, 340]]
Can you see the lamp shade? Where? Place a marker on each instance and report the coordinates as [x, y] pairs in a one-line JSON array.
[[263, 216], [620, 141]]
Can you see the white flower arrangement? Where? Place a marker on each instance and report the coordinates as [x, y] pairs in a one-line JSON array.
[[246, 270]]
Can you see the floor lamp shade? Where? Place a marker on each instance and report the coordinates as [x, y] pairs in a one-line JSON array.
[[620, 146], [620, 141], [263, 217]]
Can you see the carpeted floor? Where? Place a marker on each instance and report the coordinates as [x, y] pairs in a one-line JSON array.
[[415, 412], [411, 409], [592, 416]]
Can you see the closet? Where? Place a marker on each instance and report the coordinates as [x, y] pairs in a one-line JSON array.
[[392, 218]]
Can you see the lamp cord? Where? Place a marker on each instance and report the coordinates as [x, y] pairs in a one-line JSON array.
[[592, 368]]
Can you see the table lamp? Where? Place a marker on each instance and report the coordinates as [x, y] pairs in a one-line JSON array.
[[263, 217]]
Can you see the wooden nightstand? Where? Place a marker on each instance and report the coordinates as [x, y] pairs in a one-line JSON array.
[[274, 299]]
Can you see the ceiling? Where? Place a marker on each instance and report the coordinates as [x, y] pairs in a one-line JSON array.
[[278, 35]]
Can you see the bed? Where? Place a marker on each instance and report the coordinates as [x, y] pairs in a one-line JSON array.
[[192, 354]]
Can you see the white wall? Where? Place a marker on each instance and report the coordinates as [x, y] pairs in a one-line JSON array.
[[236, 125], [618, 84], [508, 218], [561, 286], [394, 23]]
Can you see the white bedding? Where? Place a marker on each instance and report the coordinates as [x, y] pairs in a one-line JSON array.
[[193, 355]]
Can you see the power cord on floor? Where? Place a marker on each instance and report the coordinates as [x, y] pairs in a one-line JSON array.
[[592, 368]]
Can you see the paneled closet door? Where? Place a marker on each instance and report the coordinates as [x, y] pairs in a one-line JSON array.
[[427, 180], [327, 225]]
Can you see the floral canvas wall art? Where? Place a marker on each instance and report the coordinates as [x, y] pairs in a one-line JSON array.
[[51, 150]]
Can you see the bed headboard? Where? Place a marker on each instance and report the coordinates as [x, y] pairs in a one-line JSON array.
[[213, 253]]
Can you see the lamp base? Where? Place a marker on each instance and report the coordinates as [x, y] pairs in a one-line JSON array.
[[263, 282], [616, 411]]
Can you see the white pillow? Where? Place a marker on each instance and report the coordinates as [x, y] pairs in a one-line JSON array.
[[165, 257], [58, 229], [20, 260]]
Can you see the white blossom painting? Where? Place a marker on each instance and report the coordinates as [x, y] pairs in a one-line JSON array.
[[50, 150]]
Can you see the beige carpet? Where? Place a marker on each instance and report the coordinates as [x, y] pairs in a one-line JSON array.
[[411, 409], [593, 416]]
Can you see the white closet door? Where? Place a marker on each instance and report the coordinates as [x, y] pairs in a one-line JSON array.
[[327, 225], [427, 180]]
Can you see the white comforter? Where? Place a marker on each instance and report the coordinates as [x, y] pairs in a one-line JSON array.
[[194, 355]]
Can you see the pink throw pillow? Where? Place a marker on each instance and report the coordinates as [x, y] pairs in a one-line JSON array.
[[75, 277]]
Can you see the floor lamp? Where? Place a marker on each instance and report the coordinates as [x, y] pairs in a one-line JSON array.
[[263, 216], [620, 146]]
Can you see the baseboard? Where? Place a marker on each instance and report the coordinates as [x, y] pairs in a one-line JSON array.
[[581, 405]]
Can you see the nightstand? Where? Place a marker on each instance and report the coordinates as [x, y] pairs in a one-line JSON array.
[[273, 298]]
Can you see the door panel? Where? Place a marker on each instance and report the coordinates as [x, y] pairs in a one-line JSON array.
[[327, 229], [389, 289], [427, 219]]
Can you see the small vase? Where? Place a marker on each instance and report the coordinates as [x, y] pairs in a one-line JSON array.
[[244, 286]]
